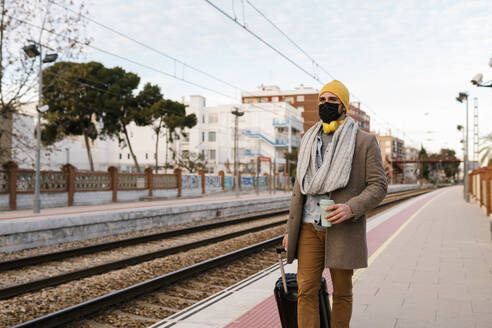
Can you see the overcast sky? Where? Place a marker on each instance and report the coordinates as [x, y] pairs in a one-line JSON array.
[[405, 61]]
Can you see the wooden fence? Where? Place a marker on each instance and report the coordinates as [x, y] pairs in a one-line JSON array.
[[15, 181], [480, 185]]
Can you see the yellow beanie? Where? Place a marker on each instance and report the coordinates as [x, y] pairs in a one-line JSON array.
[[338, 89]]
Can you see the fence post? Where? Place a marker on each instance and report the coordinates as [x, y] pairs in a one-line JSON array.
[[470, 183], [113, 171], [202, 175], [488, 188], [11, 168], [70, 170], [222, 178], [148, 172], [177, 172], [239, 179]]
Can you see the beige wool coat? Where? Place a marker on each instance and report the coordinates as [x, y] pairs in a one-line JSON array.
[[346, 245]]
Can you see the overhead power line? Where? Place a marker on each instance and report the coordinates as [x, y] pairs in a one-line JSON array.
[[160, 52], [124, 58], [313, 76], [316, 65]]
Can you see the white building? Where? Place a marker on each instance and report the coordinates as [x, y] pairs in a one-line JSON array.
[[268, 130], [105, 152], [412, 170], [265, 129]]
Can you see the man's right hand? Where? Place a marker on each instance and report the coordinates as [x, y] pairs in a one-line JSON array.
[[284, 241]]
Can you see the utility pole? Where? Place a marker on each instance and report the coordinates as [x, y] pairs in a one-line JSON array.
[[464, 96], [236, 114], [32, 51], [476, 149], [37, 185]]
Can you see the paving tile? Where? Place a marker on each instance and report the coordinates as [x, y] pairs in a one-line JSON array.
[[363, 321], [413, 323]]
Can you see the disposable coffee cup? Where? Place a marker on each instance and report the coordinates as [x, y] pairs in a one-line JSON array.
[[324, 203]]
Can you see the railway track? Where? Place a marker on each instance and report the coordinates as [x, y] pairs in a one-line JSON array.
[[162, 281], [53, 280]]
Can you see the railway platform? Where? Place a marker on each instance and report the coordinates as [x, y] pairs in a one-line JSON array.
[[24, 229], [430, 265]]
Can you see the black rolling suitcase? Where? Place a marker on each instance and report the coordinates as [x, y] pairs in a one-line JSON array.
[[286, 296]]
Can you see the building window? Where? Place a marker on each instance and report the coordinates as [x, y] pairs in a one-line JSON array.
[[128, 156], [289, 99], [211, 154], [120, 156], [300, 98], [203, 118], [388, 143], [300, 108], [213, 118], [203, 136], [274, 99], [211, 136], [264, 99], [248, 100], [146, 155]]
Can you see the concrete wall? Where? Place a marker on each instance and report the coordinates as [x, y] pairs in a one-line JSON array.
[[51, 199], [4, 202], [21, 234], [92, 198]]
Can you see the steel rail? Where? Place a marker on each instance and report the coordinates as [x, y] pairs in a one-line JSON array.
[[56, 256], [15, 290], [69, 314]]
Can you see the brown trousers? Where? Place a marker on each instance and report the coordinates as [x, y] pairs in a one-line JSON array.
[[310, 266]]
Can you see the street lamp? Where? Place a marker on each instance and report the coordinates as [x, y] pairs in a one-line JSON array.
[[236, 114], [478, 79], [464, 96], [32, 51]]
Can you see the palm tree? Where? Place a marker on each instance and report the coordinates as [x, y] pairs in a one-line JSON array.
[[486, 149]]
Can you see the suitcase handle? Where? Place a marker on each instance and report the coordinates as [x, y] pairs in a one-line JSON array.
[[279, 250]]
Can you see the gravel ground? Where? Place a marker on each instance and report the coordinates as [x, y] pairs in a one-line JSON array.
[[32, 305], [94, 241], [145, 310], [23, 275]]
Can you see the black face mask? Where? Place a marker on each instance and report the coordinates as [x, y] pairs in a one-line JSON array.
[[328, 112]]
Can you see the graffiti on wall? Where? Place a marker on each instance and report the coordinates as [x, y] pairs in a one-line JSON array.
[[190, 181], [212, 182], [228, 182], [246, 181]]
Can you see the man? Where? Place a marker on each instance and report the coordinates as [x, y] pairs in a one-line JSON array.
[[337, 161]]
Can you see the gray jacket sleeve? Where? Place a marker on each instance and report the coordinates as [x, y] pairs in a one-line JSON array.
[[376, 184]]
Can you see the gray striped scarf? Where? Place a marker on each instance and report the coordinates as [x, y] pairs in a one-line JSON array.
[[334, 173]]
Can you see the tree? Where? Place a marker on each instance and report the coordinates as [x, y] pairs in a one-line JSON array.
[[425, 166], [123, 108], [74, 104], [171, 116], [60, 29], [190, 161], [451, 169], [486, 150], [291, 160], [176, 121]]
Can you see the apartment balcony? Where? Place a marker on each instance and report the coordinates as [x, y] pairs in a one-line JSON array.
[[277, 142], [284, 123]]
